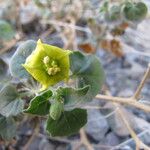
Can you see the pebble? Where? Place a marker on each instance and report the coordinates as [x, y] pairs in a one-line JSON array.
[[97, 125]]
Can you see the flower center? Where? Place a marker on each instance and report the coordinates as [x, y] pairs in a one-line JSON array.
[[52, 67]]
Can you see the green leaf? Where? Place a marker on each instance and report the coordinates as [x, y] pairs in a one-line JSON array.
[[19, 58], [73, 97], [104, 7], [88, 71], [10, 103], [40, 104], [6, 31], [114, 13], [56, 109], [3, 70], [69, 123], [135, 11], [7, 128]]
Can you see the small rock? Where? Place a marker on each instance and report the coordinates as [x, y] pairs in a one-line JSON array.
[[126, 147], [61, 147], [26, 15], [115, 121], [126, 92], [35, 144], [97, 125], [143, 127], [46, 145], [111, 139]]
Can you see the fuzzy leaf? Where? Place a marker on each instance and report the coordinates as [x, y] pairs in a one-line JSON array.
[[6, 31], [19, 57], [69, 123], [40, 104], [88, 71], [7, 128], [73, 97], [114, 13], [135, 11], [10, 103]]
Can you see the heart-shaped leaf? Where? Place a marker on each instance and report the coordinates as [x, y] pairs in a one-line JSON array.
[[7, 128], [88, 71], [69, 123], [6, 31], [40, 104], [10, 102], [73, 97], [19, 58], [135, 11]]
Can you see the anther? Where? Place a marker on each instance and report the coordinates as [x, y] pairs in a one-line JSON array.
[[53, 71], [46, 60]]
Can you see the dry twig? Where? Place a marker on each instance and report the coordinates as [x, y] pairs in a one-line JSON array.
[[68, 25], [131, 101], [141, 85], [84, 140], [126, 101], [35, 133], [139, 143]]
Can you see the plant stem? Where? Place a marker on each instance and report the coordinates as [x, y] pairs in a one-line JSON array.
[[141, 85], [84, 140], [126, 101], [35, 133]]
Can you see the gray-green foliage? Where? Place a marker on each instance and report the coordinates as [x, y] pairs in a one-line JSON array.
[[91, 73], [22, 52], [114, 13], [40, 104], [7, 127], [61, 105], [69, 123], [6, 30], [135, 11], [73, 97], [124, 11], [10, 102]]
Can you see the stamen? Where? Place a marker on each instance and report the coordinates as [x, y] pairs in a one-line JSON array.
[[53, 71], [54, 63], [46, 60]]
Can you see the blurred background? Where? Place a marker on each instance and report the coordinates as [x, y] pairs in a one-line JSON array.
[[122, 46]]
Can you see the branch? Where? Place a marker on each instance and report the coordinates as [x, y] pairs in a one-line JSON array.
[[131, 101], [67, 25], [139, 89], [130, 140], [133, 134], [139, 143], [35, 133], [126, 101], [84, 140]]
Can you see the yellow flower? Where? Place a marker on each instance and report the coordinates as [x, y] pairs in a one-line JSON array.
[[48, 64]]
